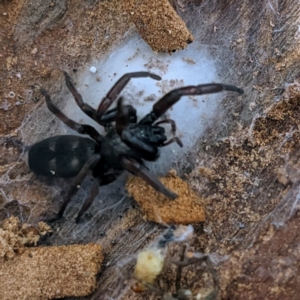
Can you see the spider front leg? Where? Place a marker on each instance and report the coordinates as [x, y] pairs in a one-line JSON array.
[[173, 126], [173, 140], [111, 115], [166, 102], [114, 92], [78, 98], [106, 118], [148, 151], [168, 121]]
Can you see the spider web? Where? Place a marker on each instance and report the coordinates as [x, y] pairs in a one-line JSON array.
[[192, 114], [217, 55]]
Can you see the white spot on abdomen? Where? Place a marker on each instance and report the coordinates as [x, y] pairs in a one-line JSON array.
[[74, 163], [52, 164]]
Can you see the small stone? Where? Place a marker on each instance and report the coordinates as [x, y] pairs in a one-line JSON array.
[[12, 95], [34, 51], [93, 69]]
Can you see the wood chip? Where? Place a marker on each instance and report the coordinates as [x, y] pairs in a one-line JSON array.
[[159, 24], [186, 209], [51, 272]]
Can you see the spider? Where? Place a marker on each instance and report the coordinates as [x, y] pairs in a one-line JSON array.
[[187, 294], [181, 293], [125, 146]]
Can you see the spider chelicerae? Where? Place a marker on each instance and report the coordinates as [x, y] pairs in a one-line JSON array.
[[125, 146]]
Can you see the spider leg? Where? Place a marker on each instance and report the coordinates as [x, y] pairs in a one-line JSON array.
[[179, 270], [117, 88], [88, 201], [110, 115], [148, 151], [168, 121], [78, 98], [139, 170], [156, 290], [107, 118], [88, 166], [196, 260], [166, 102], [173, 140], [106, 179], [80, 128]]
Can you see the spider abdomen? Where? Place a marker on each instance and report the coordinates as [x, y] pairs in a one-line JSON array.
[[60, 156]]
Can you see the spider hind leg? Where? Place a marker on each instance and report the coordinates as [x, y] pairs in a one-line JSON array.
[[139, 170]]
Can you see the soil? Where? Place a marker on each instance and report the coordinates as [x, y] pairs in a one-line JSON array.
[[245, 167], [159, 25], [185, 209]]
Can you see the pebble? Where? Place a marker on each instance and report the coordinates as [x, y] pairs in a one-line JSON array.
[[93, 69], [12, 94]]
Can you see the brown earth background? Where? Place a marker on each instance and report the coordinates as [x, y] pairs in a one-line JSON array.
[[247, 174]]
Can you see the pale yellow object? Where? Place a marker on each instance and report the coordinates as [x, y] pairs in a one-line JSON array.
[[149, 265]]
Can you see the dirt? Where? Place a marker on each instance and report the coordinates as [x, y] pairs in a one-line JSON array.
[[32, 58], [21, 259], [159, 25], [185, 209], [245, 167], [40, 39], [75, 276], [245, 191]]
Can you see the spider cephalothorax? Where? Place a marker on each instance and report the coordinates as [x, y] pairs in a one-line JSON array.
[[124, 147]]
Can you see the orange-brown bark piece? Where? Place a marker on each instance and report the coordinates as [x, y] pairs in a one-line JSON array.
[[50, 272], [159, 24], [186, 209]]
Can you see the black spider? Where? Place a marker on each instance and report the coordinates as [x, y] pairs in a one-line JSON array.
[[124, 147]]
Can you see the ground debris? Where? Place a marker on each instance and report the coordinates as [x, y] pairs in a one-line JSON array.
[[42, 266], [51, 272], [159, 24], [186, 209], [14, 236], [246, 181]]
